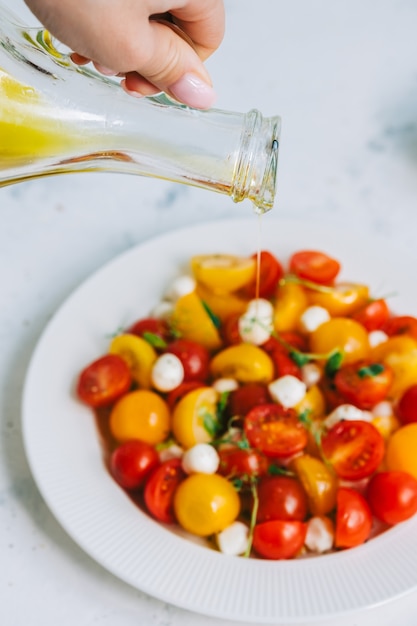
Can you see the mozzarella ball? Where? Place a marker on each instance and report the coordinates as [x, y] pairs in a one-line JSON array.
[[261, 308], [311, 374], [287, 390], [180, 286], [383, 409], [320, 534], [222, 385], [313, 317], [346, 412], [173, 451], [376, 337], [163, 310], [167, 372], [233, 540], [200, 459]]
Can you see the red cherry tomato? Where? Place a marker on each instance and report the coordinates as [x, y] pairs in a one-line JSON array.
[[373, 315], [194, 357], [401, 325], [131, 463], [230, 330], [353, 518], [151, 326], [364, 383], [284, 365], [392, 496], [271, 272], [276, 431], [287, 340], [315, 266], [179, 392], [160, 489], [243, 399], [241, 463], [104, 380], [281, 497], [407, 406], [354, 448], [279, 539]]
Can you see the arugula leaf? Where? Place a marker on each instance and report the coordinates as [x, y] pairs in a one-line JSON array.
[[154, 340]]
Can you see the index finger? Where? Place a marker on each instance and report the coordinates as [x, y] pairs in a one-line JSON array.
[[203, 22]]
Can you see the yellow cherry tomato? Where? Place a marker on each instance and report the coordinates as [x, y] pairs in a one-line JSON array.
[[341, 300], [400, 353], [319, 482], [220, 305], [192, 321], [344, 334], [205, 504], [140, 414], [138, 354], [223, 273], [313, 402], [401, 451], [291, 301], [194, 417], [244, 362]]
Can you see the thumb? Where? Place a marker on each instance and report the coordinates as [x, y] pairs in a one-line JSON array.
[[173, 66]]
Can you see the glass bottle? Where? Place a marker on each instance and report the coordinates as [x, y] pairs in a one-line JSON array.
[[57, 117]]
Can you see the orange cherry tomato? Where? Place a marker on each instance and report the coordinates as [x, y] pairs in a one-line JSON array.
[[364, 383], [401, 450], [103, 381], [342, 300], [140, 414], [315, 266], [343, 334], [400, 354], [318, 481], [291, 301], [353, 519], [354, 448]]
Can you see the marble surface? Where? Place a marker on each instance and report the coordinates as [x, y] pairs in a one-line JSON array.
[[343, 76]]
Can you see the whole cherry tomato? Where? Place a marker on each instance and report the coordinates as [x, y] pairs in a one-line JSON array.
[[407, 406], [401, 325], [279, 539], [270, 273], [343, 334], [230, 330], [140, 414], [276, 431], [242, 463], [281, 497], [104, 381], [284, 365], [364, 383], [243, 399], [353, 518], [132, 462], [354, 448], [392, 496], [194, 357], [373, 315], [152, 329], [315, 266], [401, 450], [160, 489]]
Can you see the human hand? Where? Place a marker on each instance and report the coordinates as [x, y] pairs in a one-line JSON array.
[[156, 45]]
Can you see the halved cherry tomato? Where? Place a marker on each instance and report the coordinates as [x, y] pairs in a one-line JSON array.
[[194, 357], [243, 399], [284, 365], [373, 315], [230, 330], [315, 266], [392, 496], [160, 489], [291, 300], [223, 273], [276, 431], [242, 463], [364, 383], [179, 392], [407, 406], [138, 354], [344, 334], [281, 497], [342, 300], [132, 462], [152, 326], [401, 325], [318, 481], [279, 539], [245, 362], [270, 273], [353, 518], [354, 448], [104, 381]]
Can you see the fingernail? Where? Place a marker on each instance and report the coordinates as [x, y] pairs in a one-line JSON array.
[[135, 94], [193, 91], [104, 70]]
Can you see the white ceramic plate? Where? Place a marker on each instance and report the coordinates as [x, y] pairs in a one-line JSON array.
[[65, 457]]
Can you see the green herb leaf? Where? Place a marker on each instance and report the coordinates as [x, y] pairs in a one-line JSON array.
[[299, 358], [333, 363], [370, 370], [276, 470], [154, 340], [210, 423], [214, 318], [304, 417]]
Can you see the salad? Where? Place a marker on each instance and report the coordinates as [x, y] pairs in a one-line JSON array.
[[269, 408]]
